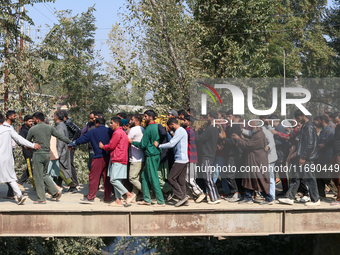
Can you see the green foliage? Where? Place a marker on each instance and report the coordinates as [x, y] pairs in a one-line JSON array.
[[57, 246]]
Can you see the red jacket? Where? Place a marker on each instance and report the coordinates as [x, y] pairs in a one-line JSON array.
[[118, 145]]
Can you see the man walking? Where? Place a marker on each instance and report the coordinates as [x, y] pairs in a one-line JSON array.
[[74, 133], [208, 143], [100, 160], [89, 125], [136, 155], [28, 122], [307, 153], [179, 141], [64, 154], [118, 145], [41, 133], [149, 174], [7, 173], [192, 156]]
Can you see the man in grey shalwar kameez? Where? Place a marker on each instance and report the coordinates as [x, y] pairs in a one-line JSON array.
[[64, 153], [7, 173]]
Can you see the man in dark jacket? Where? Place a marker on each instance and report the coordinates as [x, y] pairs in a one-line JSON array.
[[307, 152], [233, 154], [28, 122], [208, 142]]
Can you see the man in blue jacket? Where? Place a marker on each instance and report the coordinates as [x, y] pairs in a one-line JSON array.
[[100, 160]]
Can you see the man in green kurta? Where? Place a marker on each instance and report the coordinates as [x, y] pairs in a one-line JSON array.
[[41, 134], [152, 159]]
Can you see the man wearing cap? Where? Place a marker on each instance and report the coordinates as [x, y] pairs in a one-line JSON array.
[[172, 114]]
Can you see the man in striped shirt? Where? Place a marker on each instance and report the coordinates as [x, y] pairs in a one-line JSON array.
[[192, 155]]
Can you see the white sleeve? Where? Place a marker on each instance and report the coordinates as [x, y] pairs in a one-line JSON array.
[[20, 140], [246, 132]]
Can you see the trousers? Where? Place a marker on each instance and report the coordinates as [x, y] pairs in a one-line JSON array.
[[150, 179], [177, 179]]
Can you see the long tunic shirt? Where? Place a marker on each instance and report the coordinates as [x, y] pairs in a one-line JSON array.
[[7, 173]]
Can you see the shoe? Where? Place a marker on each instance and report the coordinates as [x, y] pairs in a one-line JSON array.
[[335, 203], [208, 199], [287, 201], [129, 200], [305, 199], [281, 194], [234, 198], [170, 196], [313, 203], [246, 202], [265, 202], [186, 203], [297, 198], [10, 198], [57, 196], [181, 202], [72, 189], [21, 200], [200, 198], [86, 201], [215, 202]]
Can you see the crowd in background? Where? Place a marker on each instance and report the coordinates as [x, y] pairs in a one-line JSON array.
[[188, 159]]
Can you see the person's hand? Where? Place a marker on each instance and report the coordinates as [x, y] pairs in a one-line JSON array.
[[221, 135], [37, 146], [219, 147], [197, 127], [167, 129], [130, 140], [101, 145], [235, 136], [155, 143], [266, 149], [302, 161], [320, 146], [274, 132]]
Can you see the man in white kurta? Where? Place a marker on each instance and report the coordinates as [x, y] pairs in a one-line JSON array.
[[7, 173]]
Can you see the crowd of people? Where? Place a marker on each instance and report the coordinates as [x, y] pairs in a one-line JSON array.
[[199, 158]]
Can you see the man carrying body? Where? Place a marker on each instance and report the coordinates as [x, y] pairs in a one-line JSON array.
[[28, 122], [100, 160], [149, 174], [41, 133], [7, 173]]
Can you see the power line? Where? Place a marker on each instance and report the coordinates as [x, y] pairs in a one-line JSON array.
[[49, 10], [44, 15]]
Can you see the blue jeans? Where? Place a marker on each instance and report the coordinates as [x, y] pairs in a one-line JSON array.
[[219, 161], [272, 180]]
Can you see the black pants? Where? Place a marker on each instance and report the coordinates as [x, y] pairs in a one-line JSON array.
[[309, 178], [282, 175], [322, 179], [73, 169], [25, 175], [177, 181], [230, 176], [208, 178]]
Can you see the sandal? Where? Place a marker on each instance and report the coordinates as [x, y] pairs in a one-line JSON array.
[[115, 204], [335, 203], [39, 202]]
